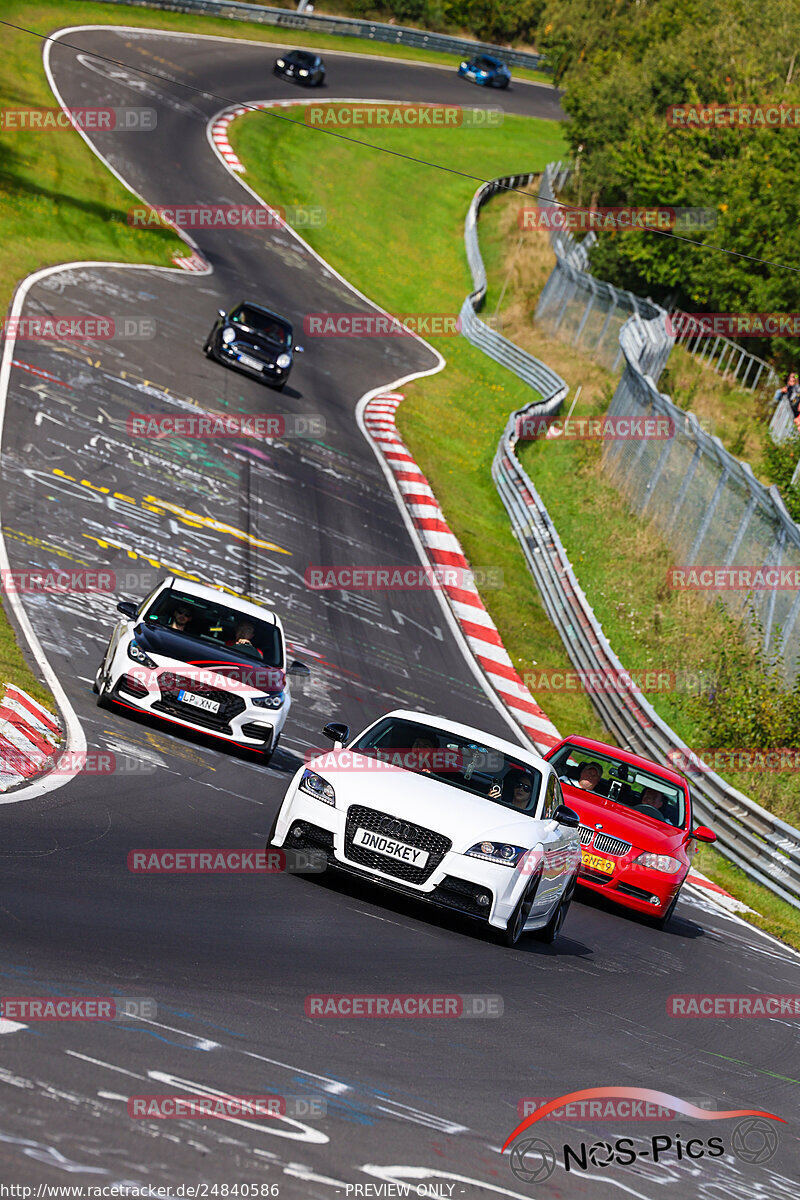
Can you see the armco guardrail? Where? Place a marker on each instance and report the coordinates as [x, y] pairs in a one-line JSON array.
[[374, 31], [551, 387], [766, 848]]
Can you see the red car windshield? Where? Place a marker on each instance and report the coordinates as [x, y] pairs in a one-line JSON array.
[[622, 783]]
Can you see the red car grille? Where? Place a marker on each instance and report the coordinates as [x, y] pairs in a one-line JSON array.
[[603, 844]]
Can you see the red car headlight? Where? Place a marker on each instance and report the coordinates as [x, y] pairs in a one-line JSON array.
[[659, 862]]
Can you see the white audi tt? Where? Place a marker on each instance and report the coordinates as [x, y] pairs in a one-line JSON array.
[[443, 812], [198, 657]]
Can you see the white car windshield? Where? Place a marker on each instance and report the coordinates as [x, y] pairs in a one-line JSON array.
[[216, 624], [621, 782], [469, 765]]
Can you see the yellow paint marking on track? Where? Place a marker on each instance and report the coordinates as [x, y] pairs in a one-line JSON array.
[[189, 517], [195, 520], [30, 540], [108, 544]]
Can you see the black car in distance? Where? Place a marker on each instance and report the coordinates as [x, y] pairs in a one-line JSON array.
[[254, 340], [302, 67]]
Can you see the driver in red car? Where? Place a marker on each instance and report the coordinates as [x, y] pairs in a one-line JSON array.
[[589, 776]]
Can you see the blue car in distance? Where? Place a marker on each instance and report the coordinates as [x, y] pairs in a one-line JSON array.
[[487, 71]]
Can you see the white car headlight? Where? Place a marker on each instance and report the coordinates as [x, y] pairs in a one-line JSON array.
[[228, 334], [283, 361], [659, 862], [303, 72], [497, 852], [318, 787], [138, 655], [281, 63], [274, 701]]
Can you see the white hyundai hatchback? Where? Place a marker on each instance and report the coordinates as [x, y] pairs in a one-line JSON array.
[[443, 812], [204, 659]]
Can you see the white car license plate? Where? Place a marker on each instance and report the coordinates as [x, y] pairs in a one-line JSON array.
[[203, 702], [390, 847], [246, 361]]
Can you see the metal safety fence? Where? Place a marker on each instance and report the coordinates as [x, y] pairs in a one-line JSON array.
[[706, 504], [726, 358], [782, 424], [374, 31], [581, 310], [764, 847], [550, 386]]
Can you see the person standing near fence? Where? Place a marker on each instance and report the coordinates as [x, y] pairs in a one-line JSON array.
[[791, 392]]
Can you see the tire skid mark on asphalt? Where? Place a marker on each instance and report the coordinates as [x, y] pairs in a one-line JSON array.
[[134, 550]]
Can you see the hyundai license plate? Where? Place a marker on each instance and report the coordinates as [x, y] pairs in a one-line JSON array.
[[203, 702]]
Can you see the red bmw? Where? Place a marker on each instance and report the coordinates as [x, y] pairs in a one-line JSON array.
[[637, 838]]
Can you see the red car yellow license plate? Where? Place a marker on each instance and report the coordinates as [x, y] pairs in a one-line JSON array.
[[597, 863]]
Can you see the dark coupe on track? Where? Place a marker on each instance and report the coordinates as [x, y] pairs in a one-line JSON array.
[[302, 67], [254, 340]]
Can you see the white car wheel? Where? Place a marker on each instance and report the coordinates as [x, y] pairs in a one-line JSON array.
[[516, 922]]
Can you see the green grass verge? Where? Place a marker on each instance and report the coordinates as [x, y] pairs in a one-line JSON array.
[[470, 400], [409, 257], [770, 913]]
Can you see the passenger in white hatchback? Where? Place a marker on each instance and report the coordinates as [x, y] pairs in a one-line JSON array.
[[520, 789]]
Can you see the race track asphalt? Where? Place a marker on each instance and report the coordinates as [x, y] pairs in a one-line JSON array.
[[229, 959]]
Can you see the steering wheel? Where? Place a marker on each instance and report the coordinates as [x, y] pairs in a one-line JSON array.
[[648, 810]]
